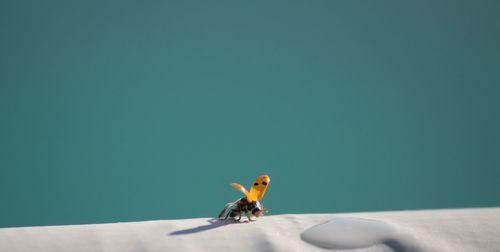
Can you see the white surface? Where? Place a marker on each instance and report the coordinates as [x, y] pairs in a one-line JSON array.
[[350, 233], [430, 230]]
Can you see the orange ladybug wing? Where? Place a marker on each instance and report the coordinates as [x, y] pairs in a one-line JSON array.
[[240, 188], [258, 188]]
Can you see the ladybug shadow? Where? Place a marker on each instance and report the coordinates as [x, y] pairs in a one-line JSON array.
[[213, 223]]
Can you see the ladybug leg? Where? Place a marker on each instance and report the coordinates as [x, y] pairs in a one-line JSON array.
[[249, 216]]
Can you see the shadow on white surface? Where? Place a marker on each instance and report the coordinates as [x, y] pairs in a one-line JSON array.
[[213, 223]]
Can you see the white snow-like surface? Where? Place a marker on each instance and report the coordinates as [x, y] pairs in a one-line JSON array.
[[424, 230], [350, 233]]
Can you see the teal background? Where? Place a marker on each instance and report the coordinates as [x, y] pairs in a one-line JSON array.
[[128, 110]]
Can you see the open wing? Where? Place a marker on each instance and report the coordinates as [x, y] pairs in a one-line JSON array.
[[240, 188], [227, 210], [258, 188]]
